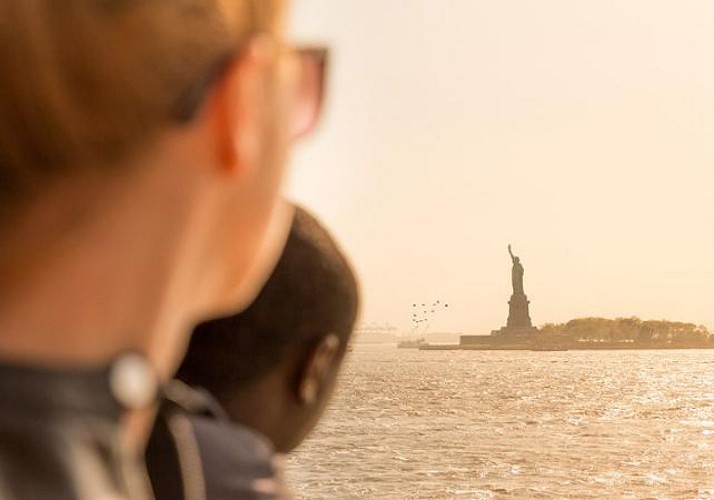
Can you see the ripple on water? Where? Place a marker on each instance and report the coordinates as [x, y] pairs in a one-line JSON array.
[[449, 424]]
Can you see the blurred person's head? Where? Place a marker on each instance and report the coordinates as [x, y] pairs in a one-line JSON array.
[[273, 367], [146, 141]]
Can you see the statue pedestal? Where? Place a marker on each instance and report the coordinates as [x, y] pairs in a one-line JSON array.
[[519, 319], [518, 315]]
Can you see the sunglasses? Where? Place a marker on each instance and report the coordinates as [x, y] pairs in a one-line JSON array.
[[307, 101]]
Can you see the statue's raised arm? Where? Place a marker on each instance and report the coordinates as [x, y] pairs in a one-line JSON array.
[[516, 273]]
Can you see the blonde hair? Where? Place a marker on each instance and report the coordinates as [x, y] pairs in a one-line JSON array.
[[85, 83]]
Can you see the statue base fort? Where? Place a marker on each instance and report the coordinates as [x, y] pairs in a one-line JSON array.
[[519, 327], [514, 332]]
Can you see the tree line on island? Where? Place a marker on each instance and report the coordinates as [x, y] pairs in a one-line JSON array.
[[626, 330]]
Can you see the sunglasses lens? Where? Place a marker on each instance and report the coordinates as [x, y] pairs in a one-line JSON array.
[[309, 91]]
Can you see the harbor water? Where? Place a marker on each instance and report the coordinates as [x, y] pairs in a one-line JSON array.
[[409, 424]]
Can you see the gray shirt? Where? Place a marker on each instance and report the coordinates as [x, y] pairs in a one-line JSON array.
[[196, 453], [238, 463]]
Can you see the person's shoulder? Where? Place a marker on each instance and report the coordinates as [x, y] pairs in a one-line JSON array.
[[195, 447], [237, 462], [239, 443]]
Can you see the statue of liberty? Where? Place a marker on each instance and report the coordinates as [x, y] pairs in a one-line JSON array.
[[516, 273]]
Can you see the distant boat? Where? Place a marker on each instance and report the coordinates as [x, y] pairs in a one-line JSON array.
[[411, 344]]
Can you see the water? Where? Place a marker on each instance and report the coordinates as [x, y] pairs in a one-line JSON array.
[[409, 424]]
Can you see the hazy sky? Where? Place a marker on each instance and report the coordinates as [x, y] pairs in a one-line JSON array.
[[580, 131]]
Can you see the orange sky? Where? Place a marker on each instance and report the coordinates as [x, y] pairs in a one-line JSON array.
[[580, 131]]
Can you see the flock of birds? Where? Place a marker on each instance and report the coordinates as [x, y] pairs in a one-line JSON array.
[[422, 313]]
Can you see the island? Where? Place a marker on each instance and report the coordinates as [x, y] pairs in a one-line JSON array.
[[593, 334], [578, 334]]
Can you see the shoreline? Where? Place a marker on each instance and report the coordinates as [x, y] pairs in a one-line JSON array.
[[593, 346]]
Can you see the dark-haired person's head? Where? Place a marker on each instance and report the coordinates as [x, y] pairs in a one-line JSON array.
[[273, 367]]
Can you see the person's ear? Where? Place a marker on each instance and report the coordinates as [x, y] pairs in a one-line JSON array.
[[238, 106], [318, 369]]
